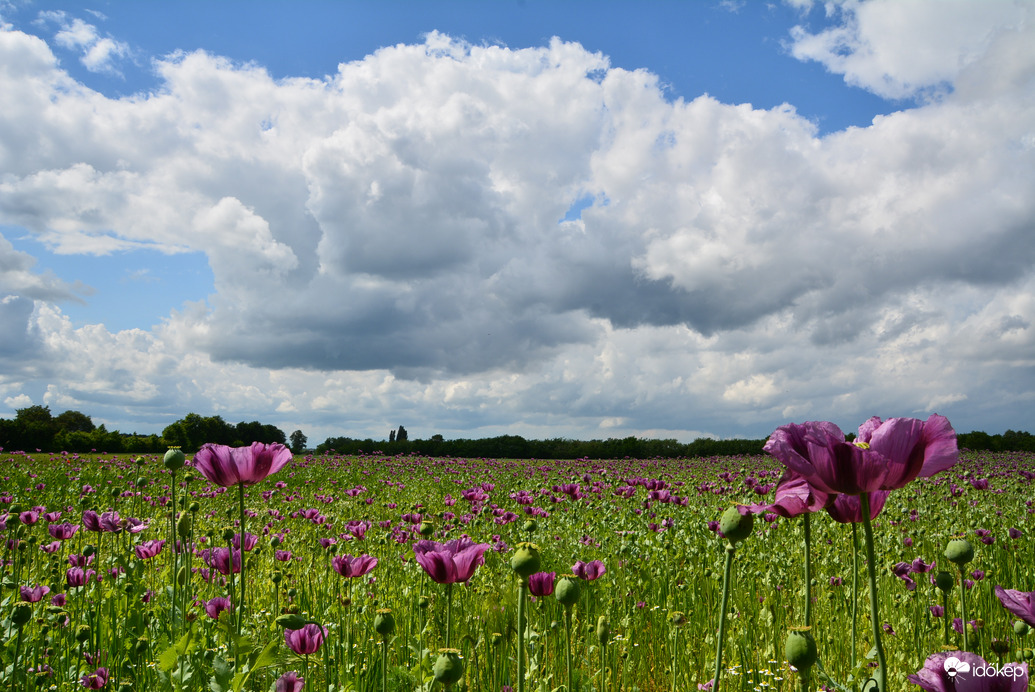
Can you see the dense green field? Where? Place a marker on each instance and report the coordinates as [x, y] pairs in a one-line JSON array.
[[647, 521]]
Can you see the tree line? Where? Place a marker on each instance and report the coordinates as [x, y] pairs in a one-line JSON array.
[[36, 428]]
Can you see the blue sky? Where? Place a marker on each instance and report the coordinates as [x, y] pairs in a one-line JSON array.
[[665, 219]]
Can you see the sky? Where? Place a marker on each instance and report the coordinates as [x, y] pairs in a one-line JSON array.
[[551, 219]]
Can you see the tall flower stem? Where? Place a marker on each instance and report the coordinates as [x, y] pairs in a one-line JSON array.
[[240, 595], [808, 570], [855, 594], [945, 615], [963, 606], [449, 613], [567, 641], [522, 592], [726, 571], [675, 658], [172, 544], [871, 568]]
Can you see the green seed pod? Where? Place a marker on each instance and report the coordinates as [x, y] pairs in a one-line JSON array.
[[228, 534], [292, 592], [448, 667], [194, 507], [82, 634], [291, 621], [959, 551], [181, 576], [384, 622], [1028, 654], [526, 561], [426, 528], [126, 687], [174, 459], [141, 482], [183, 526], [800, 649], [22, 614], [677, 618], [277, 576], [89, 550], [141, 646], [736, 526], [424, 602], [944, 580], [1020, 628], [1000, 646], [603, 630], [568, 590], [140, 461], [188, 477], [531, 525], [275, 541]]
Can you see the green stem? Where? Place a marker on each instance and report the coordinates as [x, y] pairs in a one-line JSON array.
[[945, 615], [449, 613], [675, 659], [871, 565], [727, 570], [808, 571], [855, 594], [522, 590], [384, 664], [172, 544], [567, 651], [963, 606], [240, 609]]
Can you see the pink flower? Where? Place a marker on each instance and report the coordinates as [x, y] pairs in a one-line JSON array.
[[95, 680], [148, 549], [290, 682], [348, 566], [541, 584], [956, 671], [230, 466], [1020, 603], [450, 562], [306, 640], [216, 606], [62, 532], [34, 594], [590, 571]]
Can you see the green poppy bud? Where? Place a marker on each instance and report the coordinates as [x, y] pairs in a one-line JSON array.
[[277, 576], [291, 621], [959, 551], [426, 528], [183, 526], [677, 618], [736, 526], [82, 634], [526, 561], [228, 535], [384, 622], [174, 459], [603, 630], [567, 590], [1020, 628], [1028, 654], [181, 576], [188, 477], [89, 550], [944, 581], [275, 541], [22, 614], [140, 461], [141, 482], [531, 525], [800, 649], [424, 602], [194, 507], [141, 646], [448, 667]]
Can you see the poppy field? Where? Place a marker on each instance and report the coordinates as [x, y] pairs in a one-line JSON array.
[[247, 569]]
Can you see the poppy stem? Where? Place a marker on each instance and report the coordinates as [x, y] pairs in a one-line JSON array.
[[522, 591], [727, 570], [567, 651], [963, 606], [855, 595], [871, 568], [808, 570], [240, 608], [945, 615], [449, 613]]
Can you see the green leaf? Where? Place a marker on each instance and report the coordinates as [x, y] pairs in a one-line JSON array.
[[167, 659]]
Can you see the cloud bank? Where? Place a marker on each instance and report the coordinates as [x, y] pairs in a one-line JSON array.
[[389, 243]]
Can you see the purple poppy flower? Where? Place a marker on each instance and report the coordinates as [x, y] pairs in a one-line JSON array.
[[306, 640], [216, 606], [91, 521], [148, 549], [920, 567], [95, 680], [1020, 603], [34, 594], [221, 560], [29, 517], [541, 584], [937, 611], [847, 509], [450, 562], [351, 567], [282, 555], [76, 576], [590, 571], [794, 496], [290, 682], [956, 671], [230, 466], [885, 456], [1015, 533], [111, 522], [62, 532]]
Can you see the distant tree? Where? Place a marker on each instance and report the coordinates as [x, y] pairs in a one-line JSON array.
[[74, 421], [298, 442], [391, 436], [35, 428], [401, 436]]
